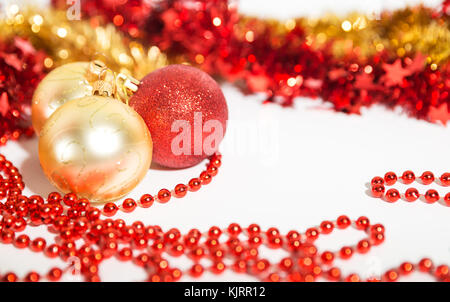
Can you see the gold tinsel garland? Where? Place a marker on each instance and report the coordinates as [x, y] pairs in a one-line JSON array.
[[67, 41], [401, 32]]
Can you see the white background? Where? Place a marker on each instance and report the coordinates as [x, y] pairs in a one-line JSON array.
[[290, 168]]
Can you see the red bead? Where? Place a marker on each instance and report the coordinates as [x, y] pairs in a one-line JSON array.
[[260, 266], [412, 194], [93, 214], [431, 196], [253, 229], [214, 232], [180, 190], [53, 197], [251, 253], [312, 234], [406, 268], [197, 253], [272, 232], [7, 236], [177, 250], [275, 242], [377, 228], [326, 227], [390, 178], [110, 209], [392, 195], [125, 254], [343, 222], [363, 246], [22, 241], [362, 223], [9, 277], [54, 274], [176, 274], [273, 277], [146, 201], [153, 232], [218, 267], [442, 272], [129, 205], [293, 235], [447, 199], [408, 177], [82, 204], [327, 257], [196, 270], [216, 162], [377, 238], [377, 181], [194, 185], [32, 277], [427, 177], [38, 245], [378, 191], [240, 266], [212, 170], [295, 277], [425, 265], [234, 229], [334, 274], [205, 178], [69, 199], [391, 275], [445, 179], [19, 225], [346, 252], [286, 264], [353, 278], [163, 196], [172, 235]]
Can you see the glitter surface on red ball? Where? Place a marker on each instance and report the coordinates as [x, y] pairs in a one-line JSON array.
[[178, 93]]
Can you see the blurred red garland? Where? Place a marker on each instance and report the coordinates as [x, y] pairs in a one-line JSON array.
[[21, 69], [210, 34]]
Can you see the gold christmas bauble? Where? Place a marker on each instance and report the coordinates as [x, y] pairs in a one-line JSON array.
[[96, 147], [61, 85]]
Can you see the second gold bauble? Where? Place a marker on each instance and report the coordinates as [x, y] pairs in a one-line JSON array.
[[61, 85], [96, 147]]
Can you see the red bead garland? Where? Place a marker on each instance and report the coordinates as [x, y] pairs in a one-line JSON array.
[[411, 194], [72, 219]]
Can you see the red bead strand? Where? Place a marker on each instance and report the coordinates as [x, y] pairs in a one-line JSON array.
[[84, 239], [378, 187]]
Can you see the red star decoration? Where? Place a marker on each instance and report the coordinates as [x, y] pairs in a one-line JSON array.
[[440, 114], [417, 64], [4, 104], [395, 73], [364, 81]]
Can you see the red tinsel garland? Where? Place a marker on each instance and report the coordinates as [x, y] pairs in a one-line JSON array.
[[181, 27], [21, 69]]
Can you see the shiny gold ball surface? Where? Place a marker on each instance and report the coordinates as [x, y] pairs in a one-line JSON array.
[[96, 147], [61, 85]]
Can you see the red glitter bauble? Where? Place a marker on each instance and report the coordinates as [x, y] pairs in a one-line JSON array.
[[177, 94]]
